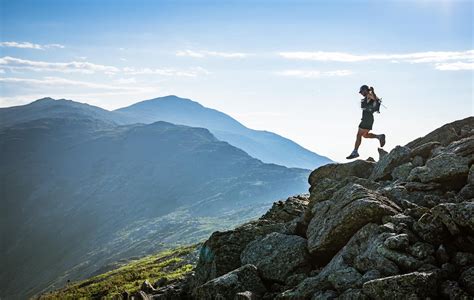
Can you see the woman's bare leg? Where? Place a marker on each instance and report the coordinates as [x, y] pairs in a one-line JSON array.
[[360, 133]]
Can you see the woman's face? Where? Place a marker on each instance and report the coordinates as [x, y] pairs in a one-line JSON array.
[[364, 92]]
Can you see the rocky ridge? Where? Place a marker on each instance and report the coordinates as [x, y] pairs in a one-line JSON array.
[[399, 228]]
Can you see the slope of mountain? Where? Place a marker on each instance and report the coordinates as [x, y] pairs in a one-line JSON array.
[[81, 192], [266, 146]]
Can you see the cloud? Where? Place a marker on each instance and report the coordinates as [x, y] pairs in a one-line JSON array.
[[68, 67], [416, 57], [456, 66], [59, 82], [201, 54], [442, 60], [191, 72], [85, 67], [28, 45], [313, 73]]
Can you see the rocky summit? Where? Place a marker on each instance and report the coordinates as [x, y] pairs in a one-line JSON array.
[[399, 228]]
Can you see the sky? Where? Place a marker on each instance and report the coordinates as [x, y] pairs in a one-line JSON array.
[[290, 67]]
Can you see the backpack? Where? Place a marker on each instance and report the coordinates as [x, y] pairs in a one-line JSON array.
[[373, 107]]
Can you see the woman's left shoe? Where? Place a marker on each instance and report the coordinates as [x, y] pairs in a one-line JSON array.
[[382, 140]]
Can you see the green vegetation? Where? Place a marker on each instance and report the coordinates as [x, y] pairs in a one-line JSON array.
[[170, 264]]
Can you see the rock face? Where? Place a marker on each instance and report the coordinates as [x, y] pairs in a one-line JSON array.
[[243, 279], [400, 228], [337, 219]]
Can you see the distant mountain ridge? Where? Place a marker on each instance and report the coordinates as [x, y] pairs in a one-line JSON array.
[[264, 145], [80, 191]]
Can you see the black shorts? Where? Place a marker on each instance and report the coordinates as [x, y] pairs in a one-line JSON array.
[[367, 120]]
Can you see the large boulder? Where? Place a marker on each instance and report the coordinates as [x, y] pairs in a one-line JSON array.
[[227, 286], [447, 168], [285, 211], [358, 257], [335, 221], [416, 285], [277, 256], [383, 169], [358, 168], [447, 133], [220, 254], [455, 215]]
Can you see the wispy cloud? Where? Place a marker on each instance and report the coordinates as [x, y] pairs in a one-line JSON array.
[[416, 57], [456, 66], [203, 53], [191, 72], [85, 67], [60, 82], [68, 67], [28, 45], [314, 73], [440, 58]]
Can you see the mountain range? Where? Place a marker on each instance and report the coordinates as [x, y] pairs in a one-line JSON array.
[[83, 187]]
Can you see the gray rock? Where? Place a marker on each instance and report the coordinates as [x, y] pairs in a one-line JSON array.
[[247, 295], [442, 255], [382, 153], [220, 254], [463, 259], [324, 295], [295, 279], [446, 168], [455, 215], [402, 171], [399, 241], [467, 280], [421, 250], [403, 260], [430, 229], [399, 155], [470, 177], [229, 285], [284, 211], [446, 134], [408, 286], [336, 220], [425, 150], [277, 255], [417, 161], [370, 275], [451, 290], [345, 279], [353, 294]]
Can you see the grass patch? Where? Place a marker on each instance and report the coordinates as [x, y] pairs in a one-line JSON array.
[[169, 264]]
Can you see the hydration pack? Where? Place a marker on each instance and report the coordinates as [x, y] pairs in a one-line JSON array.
[[372, 106]]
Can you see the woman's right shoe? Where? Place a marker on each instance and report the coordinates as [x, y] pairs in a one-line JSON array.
[[354, 154]]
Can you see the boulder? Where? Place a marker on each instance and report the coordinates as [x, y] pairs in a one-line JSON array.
[[447, 133], [449, 169], [277, 256], [454, 215], [399, 241], [335, 221], [285, 211], [383, 169], [467, 280], [358, 168], [402, 171], [424, 151], [220, 254], [344, 279], [414, 285], [227, 286]]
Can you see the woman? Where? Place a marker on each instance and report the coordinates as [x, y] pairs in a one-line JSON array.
[[369, 105]]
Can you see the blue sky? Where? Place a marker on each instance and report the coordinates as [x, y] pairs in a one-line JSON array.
[[291, 67]]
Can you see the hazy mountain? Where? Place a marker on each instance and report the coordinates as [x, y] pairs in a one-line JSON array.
[[264, 145], [51, 108], [79, 192]]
